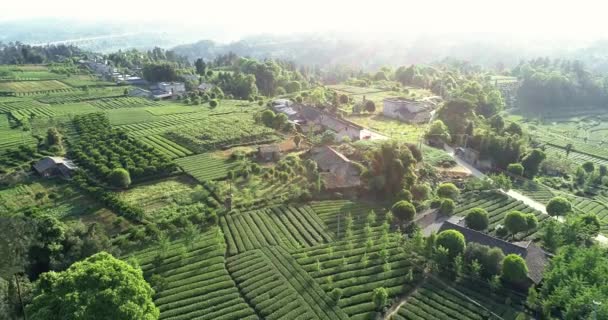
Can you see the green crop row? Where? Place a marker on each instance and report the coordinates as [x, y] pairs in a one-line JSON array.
[[165, 146]]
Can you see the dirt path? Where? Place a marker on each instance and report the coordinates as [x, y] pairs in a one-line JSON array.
[[402, 300]]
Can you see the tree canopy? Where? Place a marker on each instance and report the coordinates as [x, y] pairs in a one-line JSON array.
[[99, 287]]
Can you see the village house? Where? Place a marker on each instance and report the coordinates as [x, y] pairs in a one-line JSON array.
[[312, 118], [172, 88], [55, 166], [412, 111], [205, 87], [536, 258], [337, 171]]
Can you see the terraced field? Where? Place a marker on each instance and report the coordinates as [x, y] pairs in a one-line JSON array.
[[334, 214], [14, 105], [585, 205], [290, 227], [204, 166], [78, 95], [165, 146], [358, 269], [11, 138], [475, 301], [123, 102], [278, 288], [21, 87], [198, 285], [534, 190], [577, 157], [497, 205], [38, 112]]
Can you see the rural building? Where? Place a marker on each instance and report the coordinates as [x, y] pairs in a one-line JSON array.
[[408, 110], [271, 152], [172, 88], [337, 171], [139, 92], [312, 118], [205, 87], [536, 258], [55, 166], [472, 157]]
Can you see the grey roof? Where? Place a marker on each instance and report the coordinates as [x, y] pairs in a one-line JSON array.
[[326, 157], [536, 258], [47, 163]]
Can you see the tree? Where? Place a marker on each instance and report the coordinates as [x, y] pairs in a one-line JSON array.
[[99, 287], [514, 269], [532, 161], [559, 206], [404, 210], [370, 106], [514, 128], [477, 219], [588, 166], [515, 222], [293, 86], [405, 195], [297, 140], [119, 178], [267, 118], [456, 114], [421, 191], [448, 190], [515, 169], [380, 298], [53, 137], [447, 207], [489, 259], [336, 294], [452, 240], [200, 66], [157, 72], [343, 99], [438, 130]]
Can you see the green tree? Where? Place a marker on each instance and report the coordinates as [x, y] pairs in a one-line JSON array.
[[588, 166], [438, 130], [514, 269], [99, 287], [559, 206], [532, 161], [515, 222], [201, 66], [403, 210], [452, 240], [515, 169], [370, 106], [421, 191], [343, 99], [448, 190], [489, 259], [267, 118], [119, 178], [380, 298], [477, 219], [447, 207]]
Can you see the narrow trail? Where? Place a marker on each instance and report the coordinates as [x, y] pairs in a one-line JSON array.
[[403, 300]]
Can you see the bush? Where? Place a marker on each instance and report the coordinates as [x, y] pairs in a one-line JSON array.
[[380, 298], [515, 169], [405, 195], [489, 258], [447, 207], [514, 269], [451, 240], [213, 103], [448, 190], [421, 191], [404, 210], [477, 219], [335, 295], [119, 178], [559, 206]]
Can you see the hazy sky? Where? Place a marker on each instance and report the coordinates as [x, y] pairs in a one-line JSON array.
[[581, 18]]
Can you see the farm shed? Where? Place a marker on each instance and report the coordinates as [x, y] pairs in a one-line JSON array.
[[55, 166], [337, 171], [408, 110], [536, 258]]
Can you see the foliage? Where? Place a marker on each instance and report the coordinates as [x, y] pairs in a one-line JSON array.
[[158, 72], [559, 206], [514, 269], [516, 169], [477, 219], [516, 222], [77, 292], [448, 190], [451, 240], [532, 161], [404, 210], [489, 259], [391, 168], [380, 298], [438, 130], [447, 207], [119, 178]]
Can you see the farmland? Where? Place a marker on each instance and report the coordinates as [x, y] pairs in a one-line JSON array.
[[497, 205], [123, 102], [195, 282], [205, 166], [165, 146], [10, 138], [23, 87]]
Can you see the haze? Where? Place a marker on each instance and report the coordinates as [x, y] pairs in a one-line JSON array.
[[539, 19]]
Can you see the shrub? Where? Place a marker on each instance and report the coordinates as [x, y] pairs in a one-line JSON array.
[[452, 240], [489, 258], [515, 169], [213, 103], [421, 191], [119, 178], [477, 219], [404, 210], [335, 295], [514, 269], [380, 298], [559, 206], [405, 195], [447, 207], [515, 222], [448, 190]]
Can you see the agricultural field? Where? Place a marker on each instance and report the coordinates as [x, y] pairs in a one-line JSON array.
[[78, 95], [470, 299], [291, 227], [391, 128], [357, 268], [123, 102], [11, 138], [21, 87], [36, 112], [497, 205], [585, 205], [335, 213], [278, 288], [8, 105], [165, 146], [158, 194], [82, 80], [54, 197], [205, 166], [534, 190], [191, 280]]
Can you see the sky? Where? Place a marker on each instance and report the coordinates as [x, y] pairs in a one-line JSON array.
[[550, 18]]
